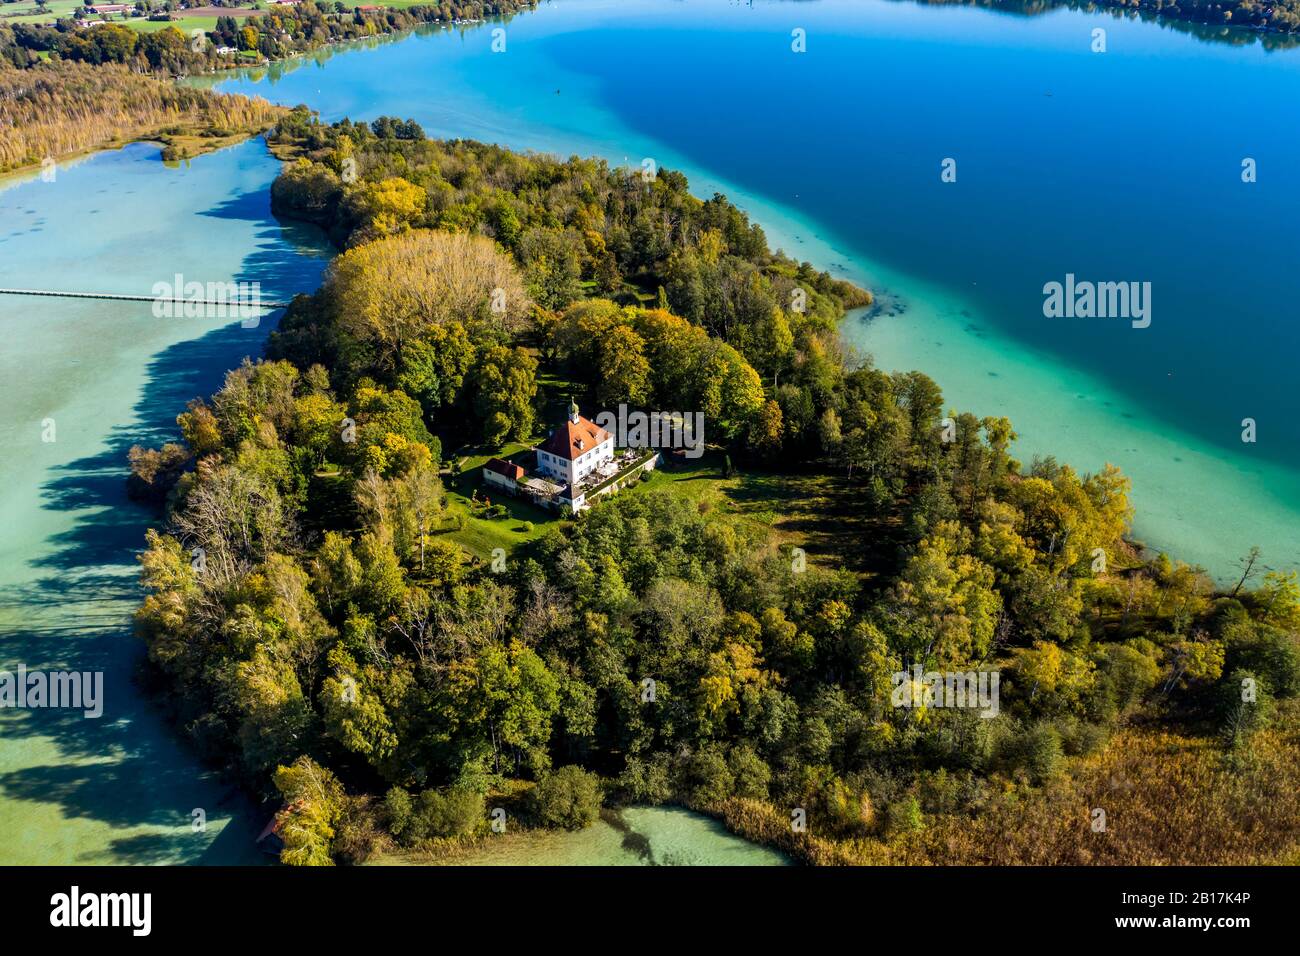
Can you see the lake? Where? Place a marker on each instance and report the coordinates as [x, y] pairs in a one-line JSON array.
[[82, 382], [1116, 166], [629, 836]]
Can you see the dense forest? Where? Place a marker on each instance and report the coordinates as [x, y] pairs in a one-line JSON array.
[[277, 34], [60, 108], [318, 626]]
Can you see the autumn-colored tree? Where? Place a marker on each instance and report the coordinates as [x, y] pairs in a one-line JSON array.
[[393, 292], [767, 429], [624, 373], [385, 208], [313, 804]]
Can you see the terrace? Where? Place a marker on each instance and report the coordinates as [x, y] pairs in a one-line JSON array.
[[625, 462]]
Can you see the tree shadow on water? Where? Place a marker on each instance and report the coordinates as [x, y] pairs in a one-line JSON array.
[[128, 769]]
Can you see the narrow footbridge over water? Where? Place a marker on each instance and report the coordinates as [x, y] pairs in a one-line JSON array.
[[234, 303]]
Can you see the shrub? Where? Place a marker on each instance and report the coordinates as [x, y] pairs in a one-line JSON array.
[[903, 816], [440, 814], [1243, 705], [398, 811], [568, 798], [833, 806], [1036, 750], [1080, 738], [647, 781], [705, 776], [751, 774], [356, 837]]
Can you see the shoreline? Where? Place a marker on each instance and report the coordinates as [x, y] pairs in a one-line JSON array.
[[896, 296], [208, 144], [118, 383], [132, 108], [611, 834]]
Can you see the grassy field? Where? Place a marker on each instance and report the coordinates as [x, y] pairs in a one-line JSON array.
[[26, 12], [480, 535], [201, 18], [820, 513]]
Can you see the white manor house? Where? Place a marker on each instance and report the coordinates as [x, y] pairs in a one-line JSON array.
[[575, 464]]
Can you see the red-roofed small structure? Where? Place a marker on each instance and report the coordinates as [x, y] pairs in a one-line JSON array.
[[504, 474]]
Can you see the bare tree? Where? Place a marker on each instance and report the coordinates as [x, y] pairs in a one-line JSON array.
[[1247, 565]]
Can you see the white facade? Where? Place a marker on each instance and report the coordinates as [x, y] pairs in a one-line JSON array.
[[573, 470], [575, 450]]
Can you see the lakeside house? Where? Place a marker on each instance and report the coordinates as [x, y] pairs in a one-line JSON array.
[[575, 449], [106, 8], [574, 465]]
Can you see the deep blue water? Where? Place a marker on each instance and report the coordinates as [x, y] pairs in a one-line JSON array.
[[1123, 165], [1129, 169]]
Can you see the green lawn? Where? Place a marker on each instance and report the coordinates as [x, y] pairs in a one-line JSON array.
[[476, 456], [26, 12], [480, 535], [823, 514]]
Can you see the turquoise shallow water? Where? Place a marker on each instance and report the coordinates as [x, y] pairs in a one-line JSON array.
[[109, 375], [1116, 174], [635, 836], [1117, 166]]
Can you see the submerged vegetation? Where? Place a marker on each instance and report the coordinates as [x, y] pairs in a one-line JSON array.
[[319, 628]]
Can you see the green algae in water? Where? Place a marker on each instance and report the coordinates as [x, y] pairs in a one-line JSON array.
[[635, 836]]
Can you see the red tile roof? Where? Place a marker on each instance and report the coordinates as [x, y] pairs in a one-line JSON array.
[[574, 439], [507, 468]]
